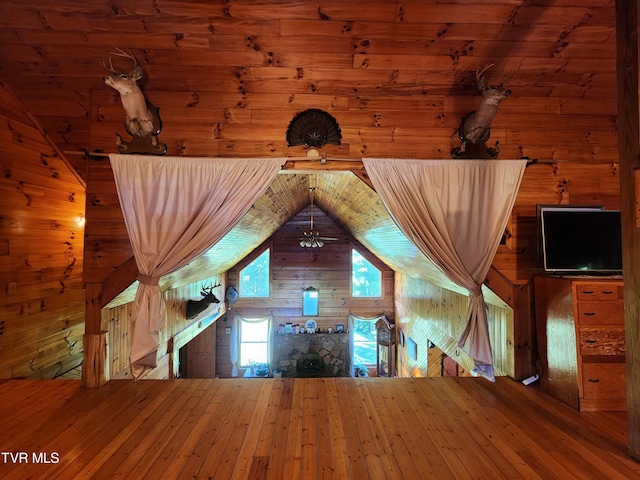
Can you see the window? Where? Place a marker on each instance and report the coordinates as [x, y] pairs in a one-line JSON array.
[[254, 345], [364, 341], [366, 278], [254, 278]]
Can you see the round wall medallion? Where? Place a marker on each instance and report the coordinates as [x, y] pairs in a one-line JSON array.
[[313, 128]]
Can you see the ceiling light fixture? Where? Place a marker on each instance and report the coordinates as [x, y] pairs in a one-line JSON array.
[[310, 238]]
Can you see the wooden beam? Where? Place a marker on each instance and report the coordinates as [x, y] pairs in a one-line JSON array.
[[119, 280], [629, 151], [362, 175], [319, 165]]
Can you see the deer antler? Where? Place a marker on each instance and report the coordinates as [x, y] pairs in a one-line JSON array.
[[479, 72], [123, 54], [209, 289], [120, 53], [110, 67]]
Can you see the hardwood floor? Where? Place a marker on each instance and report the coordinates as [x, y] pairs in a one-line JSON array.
[[409, 428]]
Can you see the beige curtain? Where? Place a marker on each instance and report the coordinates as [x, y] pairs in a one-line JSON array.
[[175, 209], [455, 212]]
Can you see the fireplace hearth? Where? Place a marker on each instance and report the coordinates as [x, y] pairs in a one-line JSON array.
[[310, 365]]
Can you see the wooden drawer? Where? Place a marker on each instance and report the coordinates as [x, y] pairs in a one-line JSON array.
[[604, 380], [600, 313], [598, 291], [601, 341]]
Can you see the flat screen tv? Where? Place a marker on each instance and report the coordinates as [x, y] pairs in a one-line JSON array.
[[580, 240]]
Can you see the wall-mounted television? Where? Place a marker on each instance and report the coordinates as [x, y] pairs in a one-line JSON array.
[[580, 239]]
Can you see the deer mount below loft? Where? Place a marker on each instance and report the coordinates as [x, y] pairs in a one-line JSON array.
[[142, 120], [475, 128], [196, 307]]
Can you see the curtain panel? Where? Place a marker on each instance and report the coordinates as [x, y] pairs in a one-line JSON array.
[[175, 209], [455, 212]]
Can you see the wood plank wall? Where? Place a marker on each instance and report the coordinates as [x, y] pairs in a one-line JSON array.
[[373, 76], [294, 268], [106, 239], [557, 183], [116, 320], [386, 91], [42, 211], [426, 313]]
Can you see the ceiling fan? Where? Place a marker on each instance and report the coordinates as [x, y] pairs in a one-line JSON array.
[[312, 238]]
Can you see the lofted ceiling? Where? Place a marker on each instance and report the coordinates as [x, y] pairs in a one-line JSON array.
[[229, 75]]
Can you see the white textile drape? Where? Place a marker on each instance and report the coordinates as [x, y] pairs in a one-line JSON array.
[[350, 321], [455, 212], [175, 209], [234, 346]]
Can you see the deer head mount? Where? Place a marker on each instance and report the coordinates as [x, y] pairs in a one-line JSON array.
[[196, 307], [475, 127], [142, 120]]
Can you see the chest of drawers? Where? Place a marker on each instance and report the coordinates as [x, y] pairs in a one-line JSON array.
[[580, 326]]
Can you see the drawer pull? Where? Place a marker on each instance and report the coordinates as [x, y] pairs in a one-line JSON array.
[[608, 292], [589, 314], [594, 380], [588, 292], [591, 341]]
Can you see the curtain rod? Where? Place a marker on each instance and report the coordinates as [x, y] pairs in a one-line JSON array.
[[85, 153]]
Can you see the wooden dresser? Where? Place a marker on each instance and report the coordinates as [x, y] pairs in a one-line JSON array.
[[580, 329]]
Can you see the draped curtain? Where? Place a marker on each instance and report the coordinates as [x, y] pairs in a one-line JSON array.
[[455, 212], [175, 209], [234, 346], [350, 321]]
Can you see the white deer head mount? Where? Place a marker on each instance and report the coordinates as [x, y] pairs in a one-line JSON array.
[[142, 120], [475, 127]]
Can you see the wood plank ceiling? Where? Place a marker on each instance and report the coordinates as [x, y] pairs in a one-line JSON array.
[[229, 75]]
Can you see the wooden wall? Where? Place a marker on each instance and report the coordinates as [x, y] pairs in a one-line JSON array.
[[294, 268], [425, 313], [42, 205], [106, 238], [595, 182], [116, 321]]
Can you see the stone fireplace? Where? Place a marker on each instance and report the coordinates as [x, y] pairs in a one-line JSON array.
[[311, 354]]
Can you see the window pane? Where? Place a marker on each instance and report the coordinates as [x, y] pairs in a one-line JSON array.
[[253, 342], [364, 342], [366, 278], [254, 278], [254, 332], [252, 353], [364, 353]]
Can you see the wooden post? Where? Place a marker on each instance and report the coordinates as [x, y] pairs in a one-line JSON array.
[[96, 352], [629, 154], [95, 368]]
